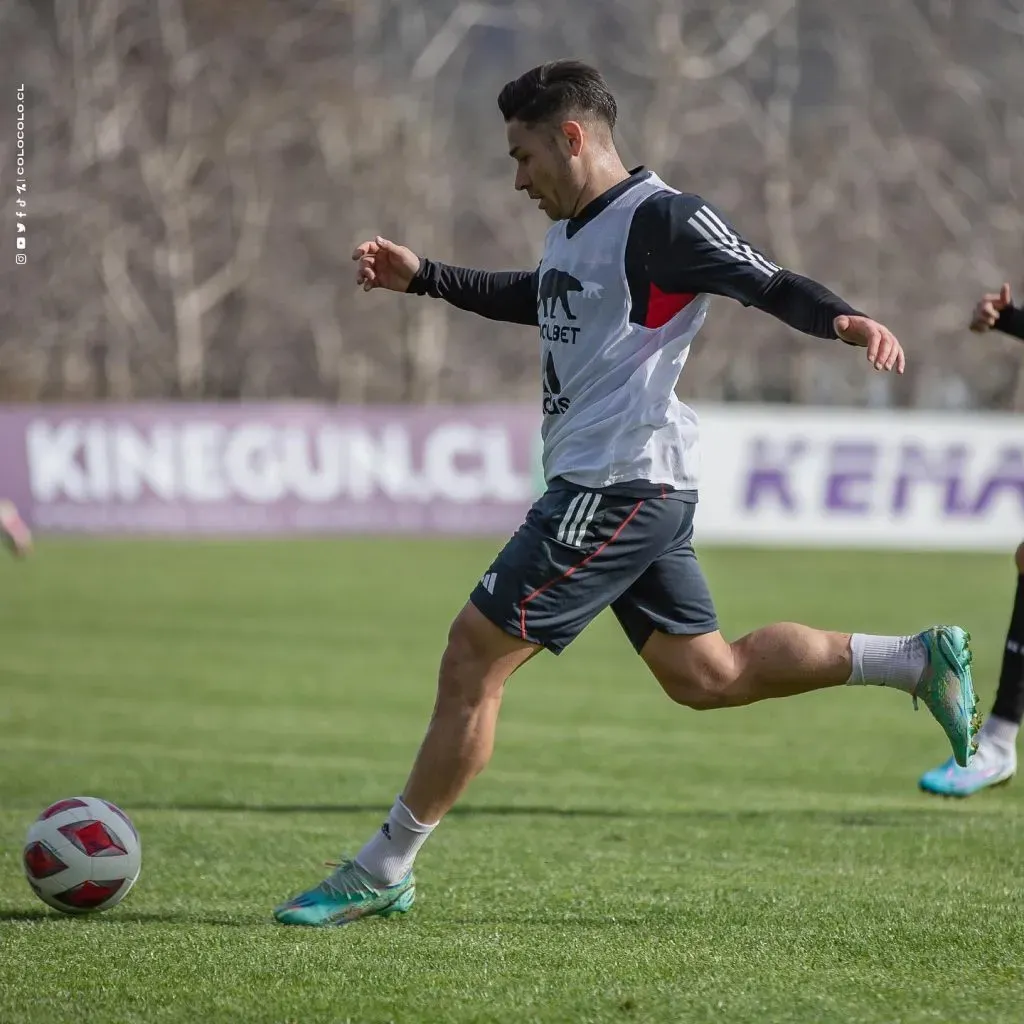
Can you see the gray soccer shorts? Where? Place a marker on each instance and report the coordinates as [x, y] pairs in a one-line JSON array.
[[580, 551]]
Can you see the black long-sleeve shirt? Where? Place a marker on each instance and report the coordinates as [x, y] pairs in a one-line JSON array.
[[1011, 321], [677, 243]]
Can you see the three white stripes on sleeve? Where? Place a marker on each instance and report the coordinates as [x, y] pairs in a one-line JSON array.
[[712, 228], [578, 517]]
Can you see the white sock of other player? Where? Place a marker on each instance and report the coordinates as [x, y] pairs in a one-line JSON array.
[[895, 661], [999, 733], [388, 857]]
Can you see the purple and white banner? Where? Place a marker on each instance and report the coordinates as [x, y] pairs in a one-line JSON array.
[[269, 469], [858, 478], [770, 474]]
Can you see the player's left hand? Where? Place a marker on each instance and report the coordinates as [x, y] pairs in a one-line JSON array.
[[884, 351]]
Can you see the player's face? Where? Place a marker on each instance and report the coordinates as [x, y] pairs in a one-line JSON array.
[[543, 167]]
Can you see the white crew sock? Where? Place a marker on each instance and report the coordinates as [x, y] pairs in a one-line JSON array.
[[387, 857], [1000, 733], [896, 661]]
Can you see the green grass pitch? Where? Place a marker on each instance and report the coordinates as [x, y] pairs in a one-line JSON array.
[[255, 707]]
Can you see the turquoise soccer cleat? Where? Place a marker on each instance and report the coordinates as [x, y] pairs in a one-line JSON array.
[[947, 690], [990, 767], [345, 896]]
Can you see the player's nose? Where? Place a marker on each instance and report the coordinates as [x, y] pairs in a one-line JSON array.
[[522, 180]]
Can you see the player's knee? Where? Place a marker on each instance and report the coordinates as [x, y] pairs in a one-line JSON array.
[[464, 677], [1019, 559], [698, 672], [701, 689]]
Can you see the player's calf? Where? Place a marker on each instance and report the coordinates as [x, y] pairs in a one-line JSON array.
[[705, 672], [478, 660]]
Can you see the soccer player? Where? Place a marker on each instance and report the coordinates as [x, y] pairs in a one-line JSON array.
[[996, 759], [621, 290]]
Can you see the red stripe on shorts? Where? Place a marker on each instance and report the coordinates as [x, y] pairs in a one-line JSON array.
[[568, 572]]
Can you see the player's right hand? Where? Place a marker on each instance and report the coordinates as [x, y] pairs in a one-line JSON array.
[[986, 312], [383, 264]]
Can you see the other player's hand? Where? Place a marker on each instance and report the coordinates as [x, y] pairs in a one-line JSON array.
[[884, 351], [987, 311], [383, 264]]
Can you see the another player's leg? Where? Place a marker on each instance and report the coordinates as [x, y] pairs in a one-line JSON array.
[[996, 759], [379, 880], [14, 533], [669, 617]]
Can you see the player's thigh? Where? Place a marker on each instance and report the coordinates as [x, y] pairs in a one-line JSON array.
[[1019, 558], [574, 555], [670, 619]]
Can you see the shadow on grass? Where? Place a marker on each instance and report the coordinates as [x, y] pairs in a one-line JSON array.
[[123, 917], [540, 919], [883, 818], [113, 917]]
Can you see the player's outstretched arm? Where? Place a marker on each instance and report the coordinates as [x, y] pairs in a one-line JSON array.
[[510, 296], [691, 247], [996, 311], [810, 307]]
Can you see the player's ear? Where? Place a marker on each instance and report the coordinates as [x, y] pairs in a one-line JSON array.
[[573, 134]]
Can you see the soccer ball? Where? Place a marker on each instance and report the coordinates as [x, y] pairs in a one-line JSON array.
[[82, 855]]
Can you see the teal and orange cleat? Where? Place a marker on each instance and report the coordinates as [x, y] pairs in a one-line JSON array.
[[947, 689], [345, 896]]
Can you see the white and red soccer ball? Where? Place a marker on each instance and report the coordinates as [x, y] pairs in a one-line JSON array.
[[82, 855]]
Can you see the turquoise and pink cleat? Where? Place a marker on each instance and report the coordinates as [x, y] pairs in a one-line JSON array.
[[993, 765], [947, 690], [345, 896]]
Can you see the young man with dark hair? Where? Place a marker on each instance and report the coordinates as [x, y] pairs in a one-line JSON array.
[[996, 759], [622, 289]]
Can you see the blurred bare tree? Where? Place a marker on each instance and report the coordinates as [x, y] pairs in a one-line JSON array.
[[199, 173]]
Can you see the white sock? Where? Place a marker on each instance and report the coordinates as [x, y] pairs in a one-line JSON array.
[[387, 857], [1000, 733], [896, 661]]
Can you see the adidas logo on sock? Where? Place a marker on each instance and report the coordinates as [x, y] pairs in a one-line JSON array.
[[488, 581], [386, 830]]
